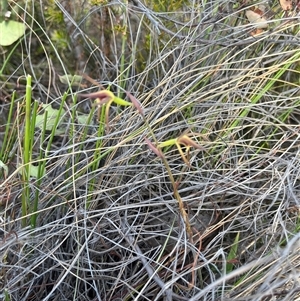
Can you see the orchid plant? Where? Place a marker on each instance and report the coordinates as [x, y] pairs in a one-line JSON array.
[[106, 97]]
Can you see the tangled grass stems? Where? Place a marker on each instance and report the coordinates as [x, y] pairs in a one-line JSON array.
[[105, 206]]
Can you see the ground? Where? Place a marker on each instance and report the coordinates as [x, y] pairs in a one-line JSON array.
[[150, 151]]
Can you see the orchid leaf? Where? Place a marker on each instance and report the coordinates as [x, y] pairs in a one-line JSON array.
[[10, 32], [51, 119], [74, 80], [33, 171]]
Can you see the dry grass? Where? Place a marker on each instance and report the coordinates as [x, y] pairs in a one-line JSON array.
[[108, 224]]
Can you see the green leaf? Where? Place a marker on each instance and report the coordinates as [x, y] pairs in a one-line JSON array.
[[74, 80], [52, 114], [11, 31], [33, 171], [4, 166], [83, 119]]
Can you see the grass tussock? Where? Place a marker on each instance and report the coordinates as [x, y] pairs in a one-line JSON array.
[[179, 182]]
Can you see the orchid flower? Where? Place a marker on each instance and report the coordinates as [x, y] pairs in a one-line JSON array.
[[106, 97]]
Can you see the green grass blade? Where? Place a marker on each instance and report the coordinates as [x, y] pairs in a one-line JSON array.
[[232, 254]]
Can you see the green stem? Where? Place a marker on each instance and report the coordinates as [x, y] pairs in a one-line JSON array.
[[27, 152], [6, 138]]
